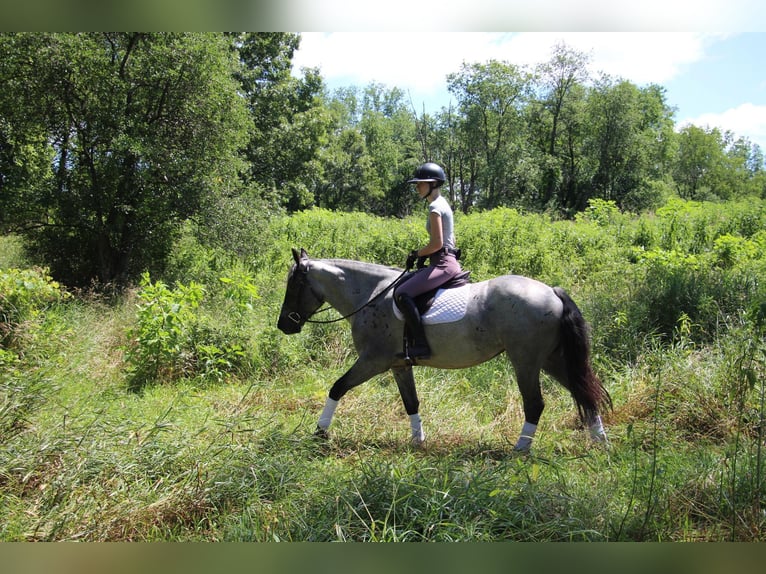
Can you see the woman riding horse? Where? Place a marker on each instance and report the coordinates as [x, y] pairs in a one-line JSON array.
[[443, 263], [537, 326]]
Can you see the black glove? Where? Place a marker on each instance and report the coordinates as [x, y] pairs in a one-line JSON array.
[[411, 258]]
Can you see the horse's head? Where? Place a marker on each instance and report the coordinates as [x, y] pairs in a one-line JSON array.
[[301, 300]]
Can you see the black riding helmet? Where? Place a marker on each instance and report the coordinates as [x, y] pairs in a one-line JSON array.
[[431, 172]]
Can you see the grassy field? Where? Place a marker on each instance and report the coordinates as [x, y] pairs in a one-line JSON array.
[[115, 426]]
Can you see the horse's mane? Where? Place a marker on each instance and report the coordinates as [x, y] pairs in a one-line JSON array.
[[364, 267]]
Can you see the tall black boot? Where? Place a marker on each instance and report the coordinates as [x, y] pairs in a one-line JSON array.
[[419, 348]]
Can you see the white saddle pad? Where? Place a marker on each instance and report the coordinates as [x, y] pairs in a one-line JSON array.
[[449, 306]]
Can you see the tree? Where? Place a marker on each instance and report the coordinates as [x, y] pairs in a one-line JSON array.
[[561, 79], [25, 154], [699, 156], [491, 98], [140, 128], [346, 169], [389, 130], [370, 153], [744, 169], [289, 121], [627, 141]]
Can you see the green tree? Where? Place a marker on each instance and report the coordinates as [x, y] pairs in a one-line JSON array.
[[25, 153], [370, 153], [558, 122], [627, 142], [744, 174], [347, 168], [289, 121], [699, 160], [491, 98], [461, 157], [141, 128], [389, 129], [711, 164]]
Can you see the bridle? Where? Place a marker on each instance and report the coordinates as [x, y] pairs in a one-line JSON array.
[[296, 317]]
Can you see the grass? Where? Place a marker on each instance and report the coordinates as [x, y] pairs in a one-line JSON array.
[[88, 455], [236, 460]]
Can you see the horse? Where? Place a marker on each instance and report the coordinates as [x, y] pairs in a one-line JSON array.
[[539, 328]]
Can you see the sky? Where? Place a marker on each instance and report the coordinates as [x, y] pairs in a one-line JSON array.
[[711, 79]]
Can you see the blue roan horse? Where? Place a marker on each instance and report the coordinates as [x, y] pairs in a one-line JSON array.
[[538, 327]]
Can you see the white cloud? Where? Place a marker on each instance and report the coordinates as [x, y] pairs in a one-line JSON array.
[[746, 120], [397, 59], [641, 57], [421, 61]]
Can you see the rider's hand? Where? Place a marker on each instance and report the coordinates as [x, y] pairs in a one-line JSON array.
[[411, 258]]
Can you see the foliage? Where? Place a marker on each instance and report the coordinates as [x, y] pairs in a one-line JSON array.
[[29, 299], [711, 164], [218, 444], [25, 294], [491, 98], [369, 154], [140, 128], [289, 124], [110, 143], [170, 340]]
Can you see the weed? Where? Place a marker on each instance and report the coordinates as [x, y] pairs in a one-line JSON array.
[[218, 444]]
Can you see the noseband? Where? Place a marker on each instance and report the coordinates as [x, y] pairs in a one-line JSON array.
[[295, 317], [303, 282]]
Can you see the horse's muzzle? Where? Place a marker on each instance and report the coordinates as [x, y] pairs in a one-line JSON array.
[[290, 323]]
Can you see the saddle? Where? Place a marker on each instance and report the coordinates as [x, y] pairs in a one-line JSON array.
[[425, 300]]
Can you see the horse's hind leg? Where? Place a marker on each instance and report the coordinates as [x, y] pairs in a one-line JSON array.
[[556, 368], [405, 380], [528, 380]]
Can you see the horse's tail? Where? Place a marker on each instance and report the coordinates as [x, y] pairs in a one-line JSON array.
[[588, 392]]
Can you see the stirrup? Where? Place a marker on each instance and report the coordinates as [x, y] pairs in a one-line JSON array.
[[424, 353]]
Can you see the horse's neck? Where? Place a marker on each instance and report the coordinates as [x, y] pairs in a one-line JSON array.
[[347, 285]]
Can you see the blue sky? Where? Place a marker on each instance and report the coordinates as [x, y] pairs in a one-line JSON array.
[[713, 79]]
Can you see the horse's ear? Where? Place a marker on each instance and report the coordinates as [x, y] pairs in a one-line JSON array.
[[304, 255], [296, 255]]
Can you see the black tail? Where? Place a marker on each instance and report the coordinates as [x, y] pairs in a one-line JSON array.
[[588, 392]]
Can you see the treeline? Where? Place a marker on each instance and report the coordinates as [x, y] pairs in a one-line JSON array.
[[108, 141]]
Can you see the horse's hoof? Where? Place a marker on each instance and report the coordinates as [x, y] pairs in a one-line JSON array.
[[321, 434], [418, 442]]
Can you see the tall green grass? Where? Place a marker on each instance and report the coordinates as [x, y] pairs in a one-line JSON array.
[[225, 451]]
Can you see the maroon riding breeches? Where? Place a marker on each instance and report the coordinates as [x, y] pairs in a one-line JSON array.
[[443, 266]]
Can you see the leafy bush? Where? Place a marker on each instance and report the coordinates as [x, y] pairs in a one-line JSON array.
[[678, 308], [170, 339], [24, 295], [339, 235]]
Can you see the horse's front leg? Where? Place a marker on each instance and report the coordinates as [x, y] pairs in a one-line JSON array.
[[360, 372], [405, 380]]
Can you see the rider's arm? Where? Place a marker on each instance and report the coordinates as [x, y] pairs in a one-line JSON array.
[[437, 237]]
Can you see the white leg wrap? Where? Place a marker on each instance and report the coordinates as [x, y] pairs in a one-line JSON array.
[[527, 434], [597, 432], [416, 424], [326, 417]]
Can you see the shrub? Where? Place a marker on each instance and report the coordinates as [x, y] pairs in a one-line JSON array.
[[171, 340], [24, 295]]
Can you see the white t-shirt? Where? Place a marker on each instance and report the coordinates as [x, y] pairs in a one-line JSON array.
[[442, 207]]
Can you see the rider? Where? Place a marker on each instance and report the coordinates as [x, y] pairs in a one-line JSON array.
[[443, 263]]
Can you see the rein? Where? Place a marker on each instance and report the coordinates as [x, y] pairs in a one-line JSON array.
[[367, 304]]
